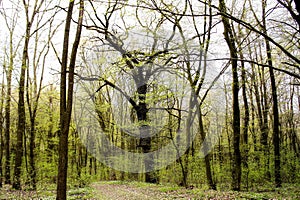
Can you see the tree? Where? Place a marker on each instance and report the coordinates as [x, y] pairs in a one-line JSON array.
[[244, 133], [11, 24], [276, 123], [142, 66], [21, 102], [229, 37], [66, 96], [293, 62], [34, 85], [196, 77], [1, 129]]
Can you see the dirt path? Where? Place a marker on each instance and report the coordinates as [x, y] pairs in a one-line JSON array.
[[130, 192]]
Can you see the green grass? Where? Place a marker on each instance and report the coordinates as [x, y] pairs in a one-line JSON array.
[[46, 192], [288, 191], [169, 188]]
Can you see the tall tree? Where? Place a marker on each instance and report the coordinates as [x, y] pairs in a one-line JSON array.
[[34, 84], [244, 133], [293, 61], [197, 79], [30, 17], [141, 65], [11, 24], [1, 129], [276, 123], [229, 37], [66, 96]]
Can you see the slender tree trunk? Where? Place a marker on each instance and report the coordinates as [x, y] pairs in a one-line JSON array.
[[276, 123], [66, 98], [33, 93], [21, 111], [211, 183], [32, 170], [7, 113], [292, 125], [236, 169], [21, 102], [64, 124], [188, 142], [244, 136], [1, 129], [252, 124], [227, 123], [265, 123], [7, 134], [31, 130], [252, 128], [50, 135]]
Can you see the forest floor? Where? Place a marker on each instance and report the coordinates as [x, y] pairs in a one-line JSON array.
[[118, 190]]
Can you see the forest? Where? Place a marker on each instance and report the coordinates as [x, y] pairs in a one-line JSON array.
[[150, 99]]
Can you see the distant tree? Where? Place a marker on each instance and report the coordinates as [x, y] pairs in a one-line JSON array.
[[195, 75], [291, 61], [30, 18], [34, 84], [10, 54], [1, 129]]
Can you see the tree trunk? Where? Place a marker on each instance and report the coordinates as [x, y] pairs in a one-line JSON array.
[[265, 122], [21, 112], [236, 169], [145, 140], [7, 114], [66, 98], [189, 122], [276, 123], [244, 135], [1, 130], [32, 170], [50, 135], [210, 181]]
